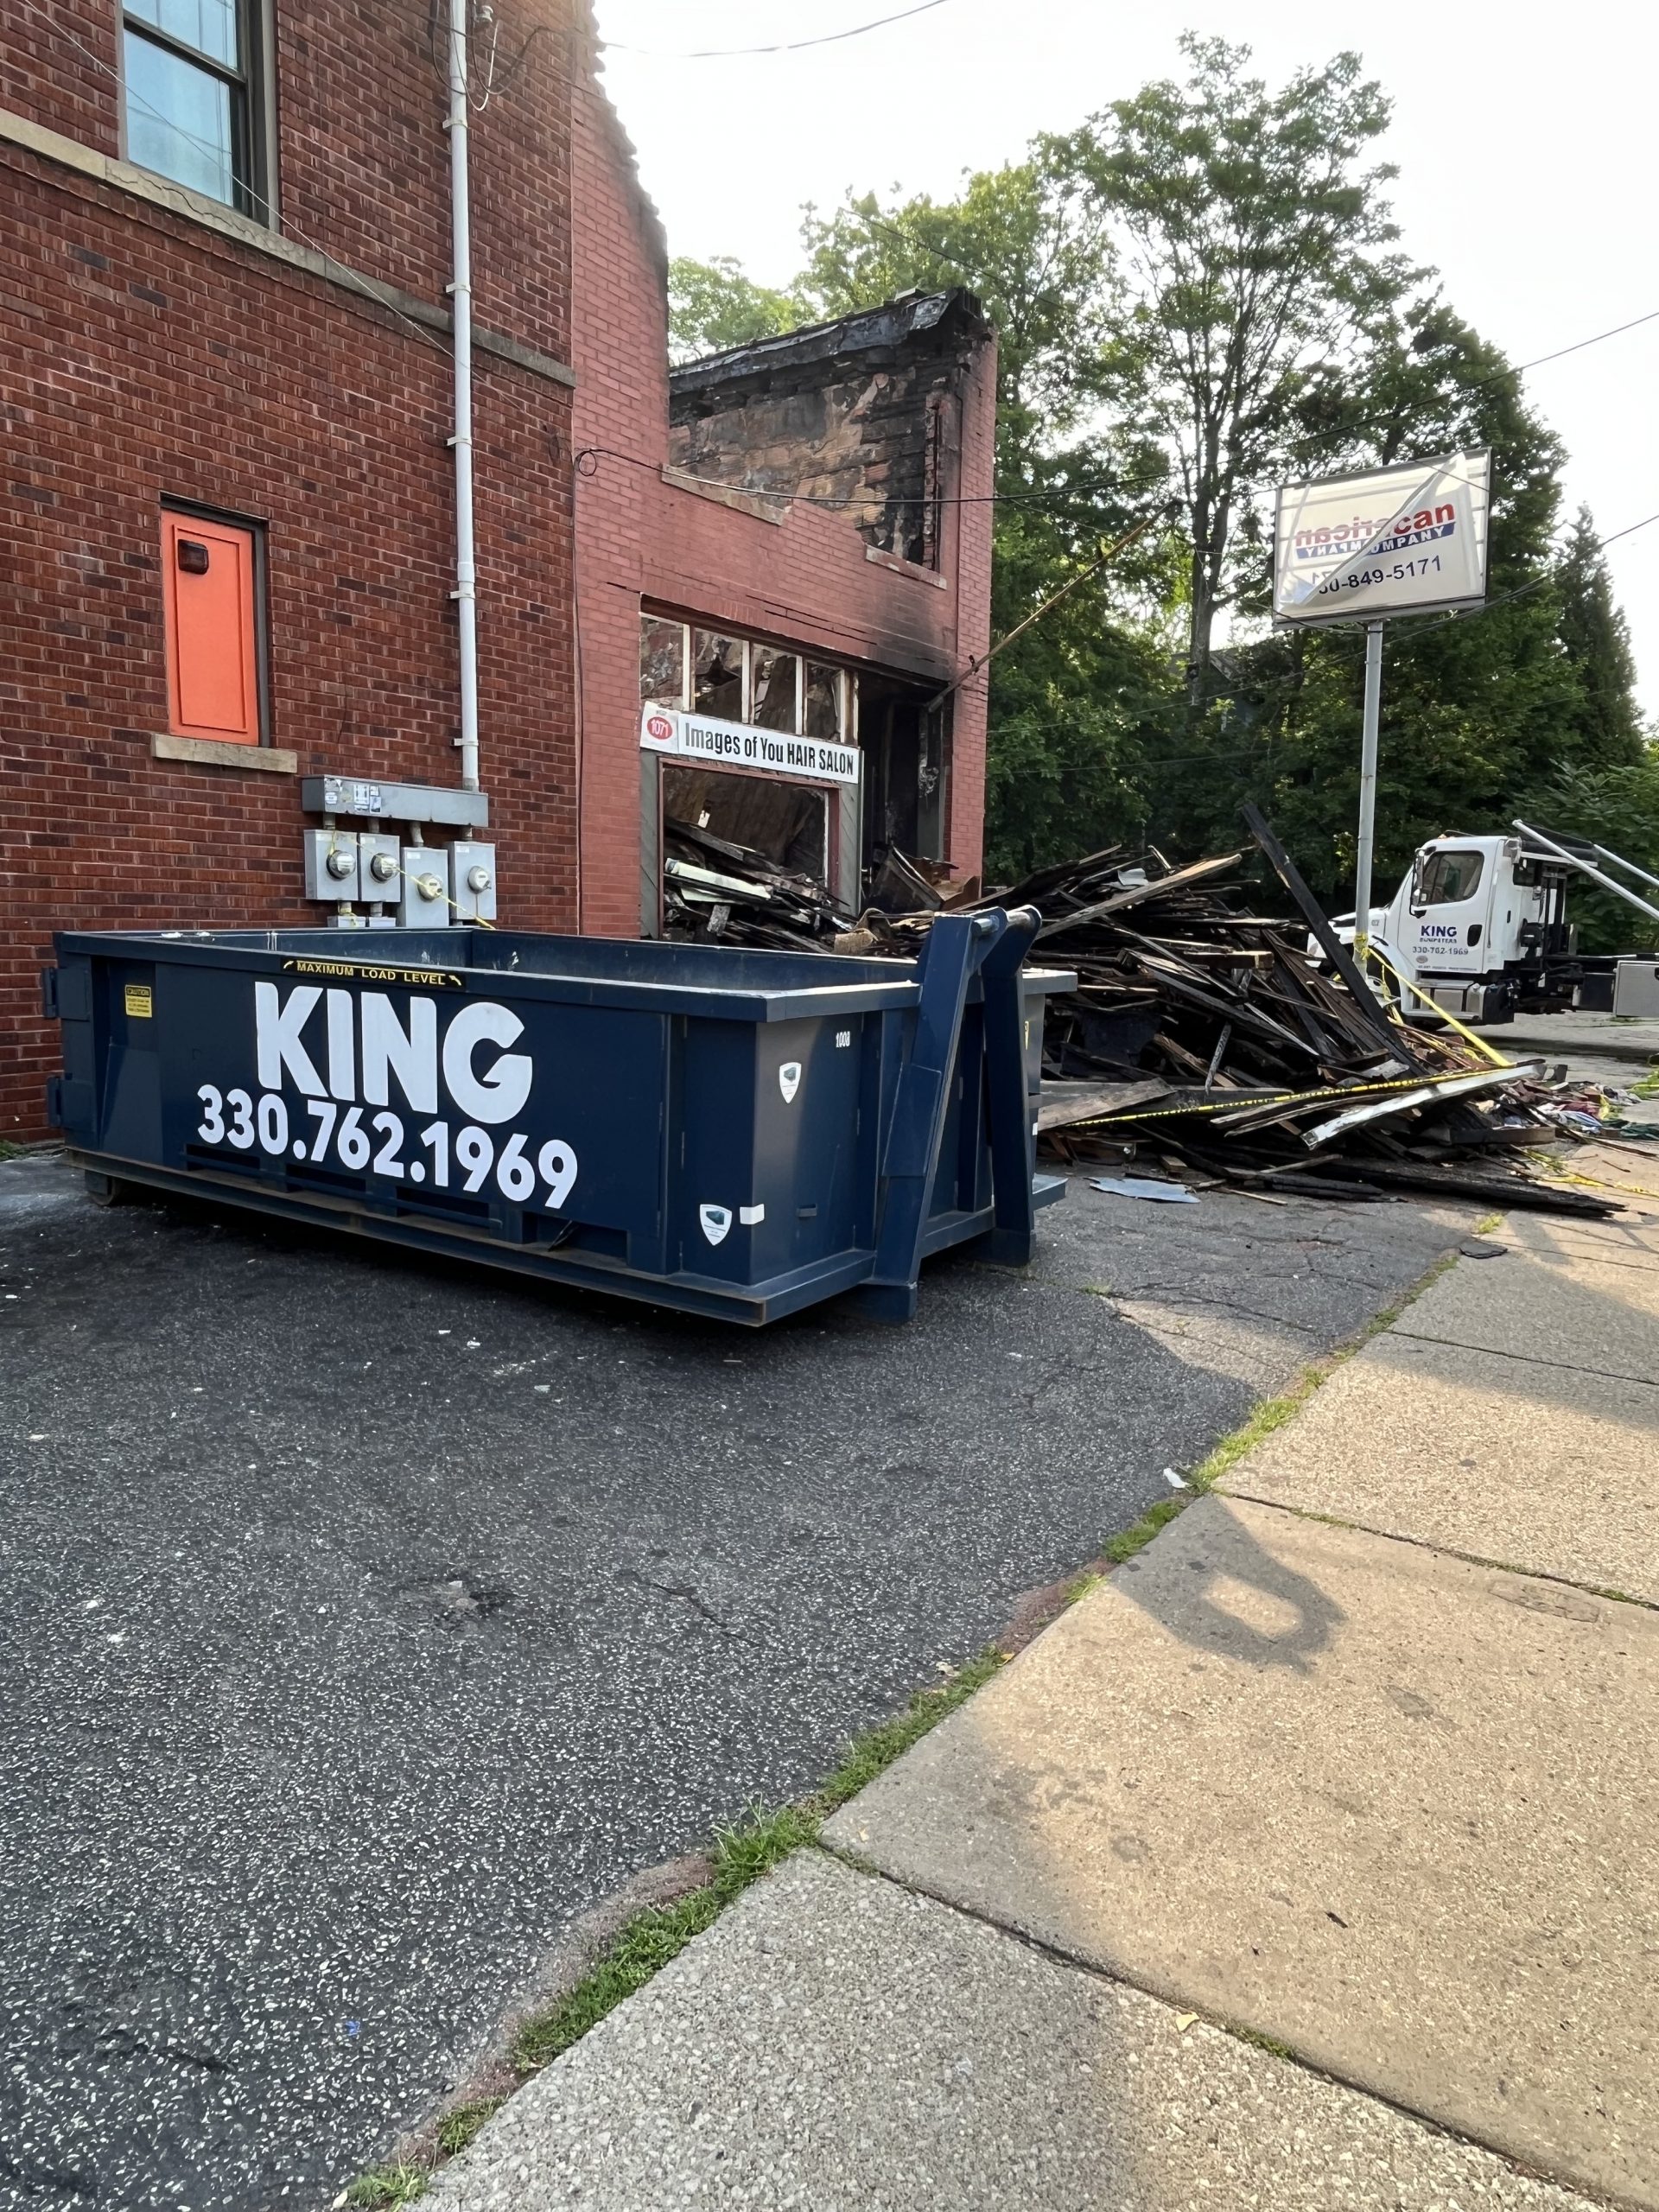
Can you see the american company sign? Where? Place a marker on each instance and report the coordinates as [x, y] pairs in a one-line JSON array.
[[719, 744], [1385, 541]]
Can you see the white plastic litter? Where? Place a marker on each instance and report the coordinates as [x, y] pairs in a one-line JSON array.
[[1137, 1186]]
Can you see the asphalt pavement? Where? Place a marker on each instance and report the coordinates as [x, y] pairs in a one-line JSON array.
[[367, 1618]]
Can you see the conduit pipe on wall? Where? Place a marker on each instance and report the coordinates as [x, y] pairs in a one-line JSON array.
[[461, 292]]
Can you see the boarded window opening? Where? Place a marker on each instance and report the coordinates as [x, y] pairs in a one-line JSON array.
[[787, 822], [210, 595]]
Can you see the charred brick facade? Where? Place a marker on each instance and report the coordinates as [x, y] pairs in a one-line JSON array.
[[895, 411], [865, 412]]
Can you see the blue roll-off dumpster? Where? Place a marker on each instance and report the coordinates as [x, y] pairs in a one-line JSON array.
[[737, 1133]]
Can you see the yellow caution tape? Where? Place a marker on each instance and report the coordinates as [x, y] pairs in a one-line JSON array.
[[1480, 1044]]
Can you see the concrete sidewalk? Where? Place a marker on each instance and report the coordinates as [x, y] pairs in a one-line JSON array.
[[1579, 1036], [1311, 1860]]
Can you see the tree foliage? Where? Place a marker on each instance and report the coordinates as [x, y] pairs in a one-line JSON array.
[[1200, 293], [1254, 241], [1597, 640], [712, 304]]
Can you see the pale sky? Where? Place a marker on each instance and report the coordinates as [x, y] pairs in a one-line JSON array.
[[1525, 135]]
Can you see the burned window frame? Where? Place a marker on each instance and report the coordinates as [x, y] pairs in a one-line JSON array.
[[806, 664]]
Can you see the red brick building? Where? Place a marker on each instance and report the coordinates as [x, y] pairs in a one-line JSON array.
[[227, 515], [889, 419]]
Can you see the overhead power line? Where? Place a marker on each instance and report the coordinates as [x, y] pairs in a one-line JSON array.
[[787, 46]]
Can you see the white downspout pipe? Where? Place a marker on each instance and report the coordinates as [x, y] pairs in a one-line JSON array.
[[461, 293]]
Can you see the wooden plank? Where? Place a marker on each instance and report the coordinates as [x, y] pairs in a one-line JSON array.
[[1064, 1103]]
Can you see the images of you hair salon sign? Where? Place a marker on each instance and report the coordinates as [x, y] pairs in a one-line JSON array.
[[718, 744]]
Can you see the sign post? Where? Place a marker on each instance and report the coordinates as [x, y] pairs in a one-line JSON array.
[[1409, 539], [1367, 790]]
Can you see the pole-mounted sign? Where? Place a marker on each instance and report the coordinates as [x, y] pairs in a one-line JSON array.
[[1409, 539]]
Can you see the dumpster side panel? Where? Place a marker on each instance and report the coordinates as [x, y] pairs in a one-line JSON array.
[[489, 1110], [714, 1206], [727, 1134], [813, 1170]]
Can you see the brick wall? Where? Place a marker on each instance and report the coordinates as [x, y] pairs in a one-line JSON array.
[[152, 357], [805, 578]]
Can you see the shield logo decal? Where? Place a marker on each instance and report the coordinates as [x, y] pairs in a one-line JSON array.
[[789, 1079], [715, 1221]]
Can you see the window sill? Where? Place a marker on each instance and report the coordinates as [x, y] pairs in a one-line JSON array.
[[904, 568], [214, 753]]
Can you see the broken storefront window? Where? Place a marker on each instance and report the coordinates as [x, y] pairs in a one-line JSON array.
[[717, 675], [662, 663], [774, 688], [826, 714]]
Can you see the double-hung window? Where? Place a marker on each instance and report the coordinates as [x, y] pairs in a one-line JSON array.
[[191, 69]]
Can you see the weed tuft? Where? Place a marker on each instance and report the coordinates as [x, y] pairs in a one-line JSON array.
[[458, 2126], [1138, 1534], [1257, 2041], [387, 2185], [878, 1747]]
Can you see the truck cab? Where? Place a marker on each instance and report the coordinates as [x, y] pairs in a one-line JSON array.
[[1479, 926]]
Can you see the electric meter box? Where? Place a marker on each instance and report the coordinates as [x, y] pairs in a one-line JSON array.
[[471, 882], [331, 864]]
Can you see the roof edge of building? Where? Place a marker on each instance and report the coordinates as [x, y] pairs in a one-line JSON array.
[[867, 330]]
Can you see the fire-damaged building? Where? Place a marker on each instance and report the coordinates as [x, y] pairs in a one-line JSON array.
[[743, 598], [783, 569]]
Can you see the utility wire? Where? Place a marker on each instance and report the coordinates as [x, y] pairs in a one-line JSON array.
[[596, 453], [791, 45]]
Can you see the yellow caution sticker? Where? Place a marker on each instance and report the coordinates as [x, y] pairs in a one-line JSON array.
[[139, 1000]]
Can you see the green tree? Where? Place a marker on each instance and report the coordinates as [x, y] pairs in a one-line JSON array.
[[1254, 242], [1617, 806], [1597, 640], [712, 305]]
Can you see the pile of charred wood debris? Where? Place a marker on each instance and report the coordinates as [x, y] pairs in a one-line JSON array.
[[1203, 1039]]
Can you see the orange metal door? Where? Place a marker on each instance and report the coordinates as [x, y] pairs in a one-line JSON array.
[[212, 676]]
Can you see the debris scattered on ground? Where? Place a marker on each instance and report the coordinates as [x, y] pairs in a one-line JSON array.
[[1200, 1037], [1135, 1186], [732, 894]]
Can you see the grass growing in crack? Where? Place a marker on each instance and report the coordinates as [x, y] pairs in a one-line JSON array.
[[1139, 1533], [878, 1747], [462, 2122], [742, 1852], [1273, 1413], [387, 2185], [1257, 2041]]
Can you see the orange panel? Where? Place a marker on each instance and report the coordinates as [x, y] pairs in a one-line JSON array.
[[213, 680]]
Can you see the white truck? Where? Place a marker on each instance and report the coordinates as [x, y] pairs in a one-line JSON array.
[[1479, 928]]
